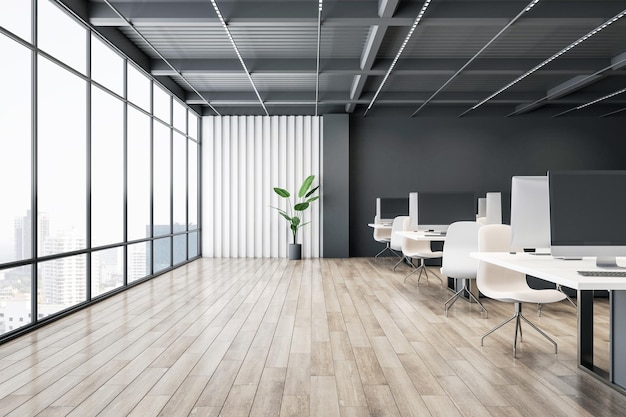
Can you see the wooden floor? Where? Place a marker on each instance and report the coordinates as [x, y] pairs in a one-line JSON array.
[[323, 337]]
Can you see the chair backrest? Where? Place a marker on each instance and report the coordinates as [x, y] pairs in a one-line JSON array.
[[399, 224], [497, 238], [382, 234], [461, 240], [412, 245]]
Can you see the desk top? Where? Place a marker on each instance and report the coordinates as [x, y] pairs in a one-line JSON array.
[[423, 236], [380, 225], [558, 271]]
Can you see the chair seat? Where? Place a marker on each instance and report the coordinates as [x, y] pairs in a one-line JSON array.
[[528, 295], [419, 254]]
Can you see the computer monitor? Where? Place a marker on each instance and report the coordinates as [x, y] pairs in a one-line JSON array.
[[530, 213], [437, 210], [388, 209], [588, 214]]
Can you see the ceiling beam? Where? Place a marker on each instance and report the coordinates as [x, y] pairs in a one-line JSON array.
[[352, 66], [375, 36], [574, 84]]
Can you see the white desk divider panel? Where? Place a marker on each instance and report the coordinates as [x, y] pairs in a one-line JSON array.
[[494, 208], [482, 207], [413, 211]]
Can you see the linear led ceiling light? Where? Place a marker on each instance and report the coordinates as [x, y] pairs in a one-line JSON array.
[[180, 74], [243, 64], [526, 9], [547, 61], [317, 73], [395, 60], [614, 112], [582, 106]]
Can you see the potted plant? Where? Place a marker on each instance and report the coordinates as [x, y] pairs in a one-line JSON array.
[[295, 213]]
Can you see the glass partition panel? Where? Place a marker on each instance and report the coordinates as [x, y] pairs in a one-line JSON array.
[[193, 125], [62, 284], [138, 201], [62, 159], [162, 254], [161, 100], [107, 168], [107, 67], [138, 87], [138, 261], [162, 180], [180, 248], [180, 116], [15, 307], [16, 223], [193, 244], [180, 182], [61, 36], [15, 16], [193, 185], [107, 270]]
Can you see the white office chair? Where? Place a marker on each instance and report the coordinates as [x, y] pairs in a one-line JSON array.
[[399, 224], [420, 250], [383, 235], [506, 285], [461, 240]]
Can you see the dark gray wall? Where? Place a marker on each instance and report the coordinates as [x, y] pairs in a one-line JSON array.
[[336, 186], [392, 155]]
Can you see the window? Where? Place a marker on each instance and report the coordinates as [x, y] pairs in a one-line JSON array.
[[107, 270], [107, 168], [138, 87], [15, 17], [138, 261], [180, 116], [16, 221], [180, 183], [62, 283], [193, 185], [193, 125], [62, 157], [138, 148], [162, 180], [107, 67], [162, 102], [162, 251], [61, 36]]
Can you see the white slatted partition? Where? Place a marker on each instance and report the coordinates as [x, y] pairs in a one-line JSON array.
[[243, 158]]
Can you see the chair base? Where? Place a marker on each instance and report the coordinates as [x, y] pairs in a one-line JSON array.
[[456, 295], [422, 268], [386, 248], [518, 316]]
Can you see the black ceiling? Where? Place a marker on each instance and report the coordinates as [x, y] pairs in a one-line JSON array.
[[461, 54]]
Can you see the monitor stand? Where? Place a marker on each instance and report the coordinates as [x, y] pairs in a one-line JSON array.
[[541, 251], [607, 262]]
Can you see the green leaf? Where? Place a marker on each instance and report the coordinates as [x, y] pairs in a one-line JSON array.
[[282, 192], [312, 191], [310, 200], [301, 206], [282, 213], [306, 185], [295, 221]]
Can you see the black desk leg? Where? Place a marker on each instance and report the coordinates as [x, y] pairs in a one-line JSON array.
[[585, 329]]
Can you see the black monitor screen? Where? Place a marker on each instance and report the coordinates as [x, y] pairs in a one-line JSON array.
[[445, 208], [391, 208], [587, 208]]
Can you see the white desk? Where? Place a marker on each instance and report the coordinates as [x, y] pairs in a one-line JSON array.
[[434, 237], [564, 272]]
